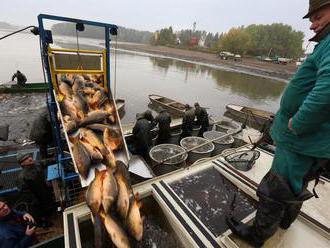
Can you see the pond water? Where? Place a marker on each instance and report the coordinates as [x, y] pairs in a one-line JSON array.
[[138, 75]]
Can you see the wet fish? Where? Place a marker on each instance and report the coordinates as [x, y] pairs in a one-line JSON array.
[[68, 108], [78, 84], [86, 77], [99, 127], [94, 193], [93, 85], [88, 91], [109, 158], [82, 159], [111, 119], [66, 80], [123, 195], [65, 89], [89, 136], [70, 125], [109, 190], [95, 154], [135, 221], [117, 234], [110, 108], [80, 103], [92, 117], [112, 139], [98, 99]]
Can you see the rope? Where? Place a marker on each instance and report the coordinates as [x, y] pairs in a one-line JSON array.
[[78, 53], [3, 37]]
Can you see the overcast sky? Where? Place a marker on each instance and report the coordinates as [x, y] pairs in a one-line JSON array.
[[210, 15]]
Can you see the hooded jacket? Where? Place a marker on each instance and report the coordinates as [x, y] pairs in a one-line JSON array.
[[306, 100]]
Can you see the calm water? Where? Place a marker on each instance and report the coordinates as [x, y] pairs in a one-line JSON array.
[[140, 75]]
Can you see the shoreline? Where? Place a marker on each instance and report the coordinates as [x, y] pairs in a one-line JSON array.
[[247, 65]]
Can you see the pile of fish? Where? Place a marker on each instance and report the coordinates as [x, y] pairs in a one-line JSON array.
[[90, 121], [110, 198]]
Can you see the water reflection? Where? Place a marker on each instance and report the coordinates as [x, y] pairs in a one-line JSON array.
[[249, 86]]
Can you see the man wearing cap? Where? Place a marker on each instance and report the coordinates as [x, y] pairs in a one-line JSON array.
[[33, 188], [202, 118], [301, 131], [163, 120], [142, 135], [188, 121]]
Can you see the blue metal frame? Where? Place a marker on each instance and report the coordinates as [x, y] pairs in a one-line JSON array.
[[62, 159]]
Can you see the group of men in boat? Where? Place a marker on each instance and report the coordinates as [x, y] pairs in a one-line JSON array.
[[144, 130]]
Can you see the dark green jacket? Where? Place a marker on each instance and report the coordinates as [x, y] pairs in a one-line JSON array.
[[307, 100]]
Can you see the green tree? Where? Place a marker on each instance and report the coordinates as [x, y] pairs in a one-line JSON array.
[[237, 40], [278, 38]]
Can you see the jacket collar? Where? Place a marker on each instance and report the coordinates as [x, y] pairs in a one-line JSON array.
[[322, 34]]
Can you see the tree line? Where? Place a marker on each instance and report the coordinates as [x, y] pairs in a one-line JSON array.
[[254, 40]]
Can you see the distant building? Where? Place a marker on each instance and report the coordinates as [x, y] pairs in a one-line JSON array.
[[201, 42]]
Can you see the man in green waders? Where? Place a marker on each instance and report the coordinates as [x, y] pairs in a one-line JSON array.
[[301, 131]]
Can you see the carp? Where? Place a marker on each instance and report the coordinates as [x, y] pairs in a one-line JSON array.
[[78, 83], [94, 117], [65, 90], [80, 103], [89, 136], [109, 190], [82, 159], [66, 80], [94, 193], [112, 139], [116, 233], [123, 195], [109, 107], [69, 124], [109, 158], [88, 91], [135, 221], [68, 108], [99, 127], [98, 99], [94, 153]]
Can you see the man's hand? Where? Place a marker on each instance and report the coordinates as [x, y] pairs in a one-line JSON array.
[[290, 124], [30, 230], [27, 217]]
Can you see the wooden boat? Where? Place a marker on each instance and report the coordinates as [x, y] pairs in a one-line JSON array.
[[173, 107], [27, 88], [253, 117]]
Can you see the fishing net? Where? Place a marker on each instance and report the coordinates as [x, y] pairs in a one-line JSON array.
[[211, 135], [164, 151], [242, 160], [192, 141]]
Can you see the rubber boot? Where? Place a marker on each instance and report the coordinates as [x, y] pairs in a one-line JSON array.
[[290, 215], [243, 231], [268, 217]]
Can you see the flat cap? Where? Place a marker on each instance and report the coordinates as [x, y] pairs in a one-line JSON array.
[[21, 156]]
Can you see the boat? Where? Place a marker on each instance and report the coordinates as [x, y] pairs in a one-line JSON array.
[[252, 117], [176, 202], [26, 88], [173, 107], [120, 107]]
